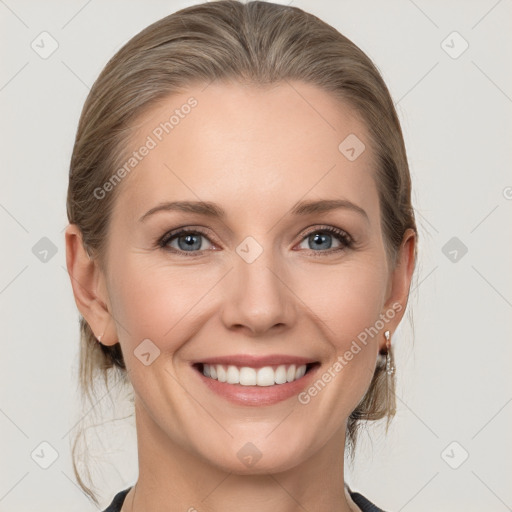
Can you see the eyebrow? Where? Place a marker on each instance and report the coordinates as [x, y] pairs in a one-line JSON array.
[[213, 210]]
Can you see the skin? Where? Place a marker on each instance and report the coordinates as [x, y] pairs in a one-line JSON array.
[[255, 152]]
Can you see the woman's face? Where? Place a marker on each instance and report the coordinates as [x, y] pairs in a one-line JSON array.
[[271, 277]]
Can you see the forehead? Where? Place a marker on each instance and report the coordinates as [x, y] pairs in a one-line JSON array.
[[249, 148]]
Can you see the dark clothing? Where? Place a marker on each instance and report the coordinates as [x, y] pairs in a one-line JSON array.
[[359, 500]]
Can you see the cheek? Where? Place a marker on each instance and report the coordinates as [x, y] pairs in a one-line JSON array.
[[349, 308], [348, 299], [156, 301]]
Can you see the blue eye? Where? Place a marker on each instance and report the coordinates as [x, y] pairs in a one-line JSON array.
[[189, 242], [322, 239]]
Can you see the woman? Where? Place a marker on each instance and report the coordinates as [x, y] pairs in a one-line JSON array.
[[241, 247]]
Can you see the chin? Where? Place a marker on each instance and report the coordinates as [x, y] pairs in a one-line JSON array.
[[256, 456]]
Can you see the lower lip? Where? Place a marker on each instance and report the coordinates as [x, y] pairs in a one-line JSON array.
[[258, 395]]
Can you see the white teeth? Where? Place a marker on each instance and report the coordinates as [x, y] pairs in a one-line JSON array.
[[247, 376], [280, 374], [233, 375], [266, 376], [301, 370], [221, 373]]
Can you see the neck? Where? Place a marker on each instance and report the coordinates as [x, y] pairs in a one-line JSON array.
[[170, 474]]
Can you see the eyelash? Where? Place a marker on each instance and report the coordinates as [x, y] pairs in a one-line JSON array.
[[341, 235]]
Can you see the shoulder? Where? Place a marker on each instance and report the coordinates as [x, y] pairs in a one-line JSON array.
[[118, 501], [364, 503]]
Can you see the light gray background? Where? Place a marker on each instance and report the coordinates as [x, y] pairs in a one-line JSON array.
[[454, 380]]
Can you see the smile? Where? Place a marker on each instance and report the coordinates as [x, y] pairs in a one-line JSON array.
[[256, 386], [248, 376]]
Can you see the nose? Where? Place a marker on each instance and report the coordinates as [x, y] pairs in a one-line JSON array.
[[259, 298]]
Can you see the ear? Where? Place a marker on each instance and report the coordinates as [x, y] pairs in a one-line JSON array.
[[400, 283], [89, 290]]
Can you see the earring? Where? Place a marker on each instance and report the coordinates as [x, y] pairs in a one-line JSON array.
[[100, 336], [390, 368]]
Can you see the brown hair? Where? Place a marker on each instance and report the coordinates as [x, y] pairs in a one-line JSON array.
[[257, 43]]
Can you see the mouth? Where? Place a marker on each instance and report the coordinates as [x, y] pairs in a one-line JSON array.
[[255, 380], [250, 376]]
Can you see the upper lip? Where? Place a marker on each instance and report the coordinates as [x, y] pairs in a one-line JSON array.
[[256, 361]]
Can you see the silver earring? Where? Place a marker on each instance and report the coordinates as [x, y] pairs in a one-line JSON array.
[[390, 368], [100, 336]]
